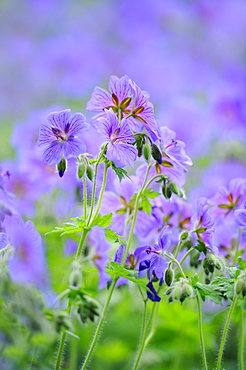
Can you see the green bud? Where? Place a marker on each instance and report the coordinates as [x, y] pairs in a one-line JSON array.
[[75, 279], [156, 153], [177, 292], [166, 191], [174, 188], [62, 166], [81, 170], [62, 321], [168, 276], [201, 230], [184, 235], [89, 173], [244, 289], [147, 151], [239, 286]]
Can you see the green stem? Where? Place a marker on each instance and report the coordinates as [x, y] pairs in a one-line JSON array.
[[62, 342], [152, 332], [81, 243], [93, 193], [241, 340], [135, 216], [205, 366], [186, 255], [99, 326], [85, 196], [101, 192], [223, 339], [8, 247], [143, 342], [151, 180], [177, 263]]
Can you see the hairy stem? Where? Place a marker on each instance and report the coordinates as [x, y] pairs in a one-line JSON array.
[[223, 339], [177, 263], [99, 326], [241, 340], [205, 366], [85, 196]]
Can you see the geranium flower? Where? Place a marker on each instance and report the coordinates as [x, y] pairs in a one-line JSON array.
[[59, 136]]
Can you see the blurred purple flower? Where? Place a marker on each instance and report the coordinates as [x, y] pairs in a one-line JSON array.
[[59, 136], [27, 263], [203, 222], [240, 217], [119, 137], [100, 247], [226, 200]]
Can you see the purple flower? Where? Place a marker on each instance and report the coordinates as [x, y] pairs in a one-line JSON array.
[[100, 247], [174, 159], [240, 217], [203, 222], [59, 136], [156, 260], [226, 200], [121, 205], [27, 263], [118, 99], [119, 137]]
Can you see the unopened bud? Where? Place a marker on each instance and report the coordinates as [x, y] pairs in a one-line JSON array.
[[239, 286], [62, 166], [75, 279], [147, 151], [174, 188], [156, 153], [184, 235], [81, 170], [166, 191], [168, 276], [177, 292], [89, 172]]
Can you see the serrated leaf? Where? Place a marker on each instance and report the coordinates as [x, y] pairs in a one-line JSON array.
[[149, 193], [111, 235], [201, 247], [242, 263], [145, 205], [103, 221], [209, 291], [120, 172], [194, 280], [115, 271], [75, 226], [234, 272]]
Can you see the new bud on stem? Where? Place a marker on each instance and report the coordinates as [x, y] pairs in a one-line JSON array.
[[147, 151], [89, 172], [62, 166]]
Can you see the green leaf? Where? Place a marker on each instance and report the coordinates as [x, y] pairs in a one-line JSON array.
[[76, 226], [234, 272], [145, 205], [120, 172], [194, 280], [242, 263], [201, 247], [111, 235], [103, 221], [89, 270], [209, 291], [149, 193], [115, 271]]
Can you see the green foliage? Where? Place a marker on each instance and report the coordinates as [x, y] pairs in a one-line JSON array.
[[102, 221], [120, 172], [116, 271], [113, 236]]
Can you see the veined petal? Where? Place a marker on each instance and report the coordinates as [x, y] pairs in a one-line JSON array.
[[60, 119], [77, 124], [73, 147], [53, 153], [121, 87], [121, 154], [100, 99], [46, 135]]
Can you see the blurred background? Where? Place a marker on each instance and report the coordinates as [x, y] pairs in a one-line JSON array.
[[190, 56]]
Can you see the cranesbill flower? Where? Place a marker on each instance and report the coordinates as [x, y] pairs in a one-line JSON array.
[[226, 201], [27, 263], [119, 137], [203, 222], [174, 161], [118, 99], [155, 260], [59, 135]]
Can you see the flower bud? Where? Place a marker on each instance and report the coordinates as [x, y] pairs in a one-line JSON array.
[[166, 191], [156, 153], [89, 172], [174, 188], [62, 321], [147, 151], [75, 279], [168, 276], [184, 236], [81, 170], [62, 166], [239, 286], [177, 292]]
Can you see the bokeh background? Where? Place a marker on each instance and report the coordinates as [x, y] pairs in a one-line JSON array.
[[191, 57]]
